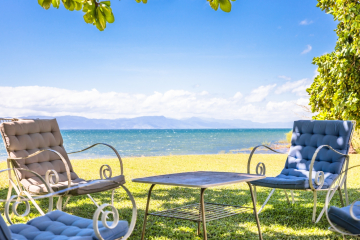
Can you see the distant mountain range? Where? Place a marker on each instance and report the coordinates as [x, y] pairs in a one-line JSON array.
[[159, 122]]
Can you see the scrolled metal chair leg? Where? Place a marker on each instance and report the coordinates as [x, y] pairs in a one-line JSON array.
[[66, 202], [292, 196], [287, 197], [59, 203], [267, 199], [341, 198], [314, 208]]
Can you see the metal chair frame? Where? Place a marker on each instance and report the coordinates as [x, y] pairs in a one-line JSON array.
[[50, 174], [24, 197], [319, 179], [338, 182]]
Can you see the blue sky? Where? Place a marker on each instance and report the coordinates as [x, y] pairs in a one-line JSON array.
[[174, 58]]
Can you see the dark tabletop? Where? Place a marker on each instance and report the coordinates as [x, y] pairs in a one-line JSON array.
[[201, 179]]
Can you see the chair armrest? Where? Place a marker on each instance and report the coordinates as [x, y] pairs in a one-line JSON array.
[[336, 184], [24, 196], [68, 175], [101, 209], [260, 166], [320, 176], [115, 151]]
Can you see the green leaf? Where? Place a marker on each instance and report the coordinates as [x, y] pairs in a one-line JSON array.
[[214, 4], [225, 5], [99, 26], [107, 3], [56, 3], [78, 6], [46, 4], [40, 2], [109, 16], [101, 18], [89, 17]]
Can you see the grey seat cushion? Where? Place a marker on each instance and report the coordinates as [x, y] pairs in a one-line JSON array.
[[306, 138], [342, 217], [59, 225], [102, 186]]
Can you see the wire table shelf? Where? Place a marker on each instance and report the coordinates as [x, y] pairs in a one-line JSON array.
[[192, 212]]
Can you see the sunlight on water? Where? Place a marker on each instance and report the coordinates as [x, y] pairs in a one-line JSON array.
[[165, 142]]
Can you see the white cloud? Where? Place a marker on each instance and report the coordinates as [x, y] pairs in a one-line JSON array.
[[260, 93], [284, 77], [308, 49], [306, 22], [49, 101], [297, 87], [238, 95]]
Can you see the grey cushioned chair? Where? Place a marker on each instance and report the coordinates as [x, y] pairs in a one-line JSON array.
[[58, 225], [37, 145], [318, 154]]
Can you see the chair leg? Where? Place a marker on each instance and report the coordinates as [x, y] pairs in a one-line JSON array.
[[292, 196], [314, 208], [267, 199], [95, 203], [66, 202], [255, 195], [59, 203], [112, 197], [341, 198], [9, 191], [287, 197], [346, 193]]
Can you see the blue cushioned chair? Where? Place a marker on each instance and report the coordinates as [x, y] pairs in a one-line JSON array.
[[58, 225], [344, 220], [318, 154]]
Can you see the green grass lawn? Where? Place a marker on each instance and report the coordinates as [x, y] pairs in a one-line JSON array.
[[278, 220]]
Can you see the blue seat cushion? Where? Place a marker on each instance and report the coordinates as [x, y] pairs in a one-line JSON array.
[[292, 182], [342, 217], [58, 225], [5, 233]]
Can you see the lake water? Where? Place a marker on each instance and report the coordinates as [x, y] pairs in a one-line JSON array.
[[165, 142]]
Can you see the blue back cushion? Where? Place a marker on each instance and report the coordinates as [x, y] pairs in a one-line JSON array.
[[307, 136], [5, 233]]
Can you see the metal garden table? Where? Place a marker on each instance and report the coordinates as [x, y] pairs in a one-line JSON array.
[[204, 211]]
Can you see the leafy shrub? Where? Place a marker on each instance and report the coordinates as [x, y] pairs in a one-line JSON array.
[[356, 140]]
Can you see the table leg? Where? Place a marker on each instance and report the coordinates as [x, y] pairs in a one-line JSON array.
[[198, 228], [146, 212], [202, 205], [255, 212]]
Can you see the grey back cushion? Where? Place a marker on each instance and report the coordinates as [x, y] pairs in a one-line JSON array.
[[24, 137], [5, 233], [307, 137]]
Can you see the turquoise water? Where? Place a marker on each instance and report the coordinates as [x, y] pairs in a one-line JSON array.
[[165, 142]]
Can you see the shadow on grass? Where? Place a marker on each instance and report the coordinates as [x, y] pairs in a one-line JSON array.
[[279, 220]]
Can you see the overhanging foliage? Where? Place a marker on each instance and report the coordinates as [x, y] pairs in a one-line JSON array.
[[100, 13], [334, 94]]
